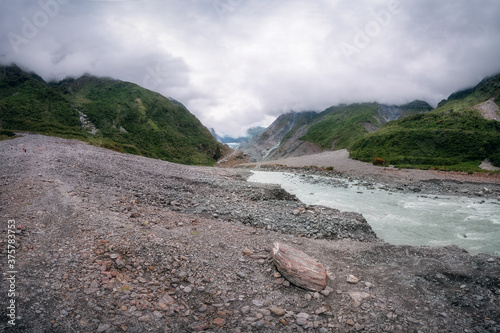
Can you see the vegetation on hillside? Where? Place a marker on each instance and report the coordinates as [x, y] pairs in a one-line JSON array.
[[454, 136], [128, 118], [339, 127]]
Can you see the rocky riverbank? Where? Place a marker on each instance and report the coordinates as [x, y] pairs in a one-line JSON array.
[[108, 242], [456, 184]]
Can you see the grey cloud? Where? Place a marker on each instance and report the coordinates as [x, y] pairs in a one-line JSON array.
[[240, 63]]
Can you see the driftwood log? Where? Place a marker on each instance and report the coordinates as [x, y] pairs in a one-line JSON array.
[[299, 268]]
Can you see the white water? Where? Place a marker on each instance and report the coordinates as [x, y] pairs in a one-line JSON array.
[[402, 218]]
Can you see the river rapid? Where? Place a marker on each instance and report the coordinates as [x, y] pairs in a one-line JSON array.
[[403, 218]]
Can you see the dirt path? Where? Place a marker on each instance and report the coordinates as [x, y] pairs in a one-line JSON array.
[[107, 242]]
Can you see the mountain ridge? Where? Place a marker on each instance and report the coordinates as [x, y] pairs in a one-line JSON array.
[[337, 127], [456, 135], [111, 113]]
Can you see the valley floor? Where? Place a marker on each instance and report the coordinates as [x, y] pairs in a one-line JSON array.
[[108, 242], [341, 162]]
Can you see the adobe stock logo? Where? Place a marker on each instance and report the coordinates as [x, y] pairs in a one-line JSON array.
[[223, 7], [156, 76], [373, 28], [30, 27]]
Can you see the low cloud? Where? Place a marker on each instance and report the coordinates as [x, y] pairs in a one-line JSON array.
[[240, 63]]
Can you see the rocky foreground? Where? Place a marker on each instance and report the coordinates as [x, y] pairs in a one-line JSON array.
[[107, 242]]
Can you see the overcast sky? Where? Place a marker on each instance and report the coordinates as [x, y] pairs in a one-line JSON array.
[[240, 63]]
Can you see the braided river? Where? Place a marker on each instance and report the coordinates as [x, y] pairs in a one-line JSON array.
[[402, 218]]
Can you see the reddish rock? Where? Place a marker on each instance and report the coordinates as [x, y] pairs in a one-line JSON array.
[[219, 322], [299, 268]]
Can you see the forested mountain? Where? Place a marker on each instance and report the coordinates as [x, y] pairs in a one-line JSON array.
[[110, 113]]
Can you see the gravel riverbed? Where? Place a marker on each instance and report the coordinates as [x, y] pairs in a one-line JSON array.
[[108, 242]]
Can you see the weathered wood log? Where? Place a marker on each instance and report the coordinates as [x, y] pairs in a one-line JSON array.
[[299, 268]]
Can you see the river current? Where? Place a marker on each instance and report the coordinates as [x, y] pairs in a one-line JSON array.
[[402, 218]]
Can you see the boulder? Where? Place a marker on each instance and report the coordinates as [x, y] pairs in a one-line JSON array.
[[299, 268]]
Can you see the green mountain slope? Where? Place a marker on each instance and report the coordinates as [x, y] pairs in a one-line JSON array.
[[339, 127], [28, 103], [455, 136], [123, 116]]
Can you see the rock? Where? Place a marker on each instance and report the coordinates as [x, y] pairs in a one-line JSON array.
[[352, 279], [247, 252], [219, 322], [103, 328], [299, 268], [120, 264], [278, 312], [258, 303], [303, 315], [301, 321], [145, 318], [321, 310], [167, 299], [327, 291], [358, 297]]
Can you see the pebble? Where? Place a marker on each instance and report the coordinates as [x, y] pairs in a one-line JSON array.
[[103, 328], [219, 322], [247, 252], [321, 310], [145, 318], [303, 315], [277, 311], [258, 303], [301, 321], [352, 279], [327, 291]]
